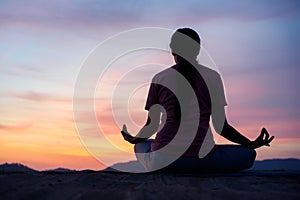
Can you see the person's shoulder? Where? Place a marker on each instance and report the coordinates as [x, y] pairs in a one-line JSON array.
[[211, 76], [165, 73], [206, 71]]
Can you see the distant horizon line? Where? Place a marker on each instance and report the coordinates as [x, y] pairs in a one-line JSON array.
[[88, 169]]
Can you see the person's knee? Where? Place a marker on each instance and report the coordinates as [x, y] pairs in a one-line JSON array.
[[136, 148], [250, 157], [252, 154], [143, 147]]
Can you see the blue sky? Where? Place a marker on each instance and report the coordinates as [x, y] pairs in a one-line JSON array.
[[255, 45]]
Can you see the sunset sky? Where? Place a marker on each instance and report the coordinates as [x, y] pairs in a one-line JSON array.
[[255, 45]]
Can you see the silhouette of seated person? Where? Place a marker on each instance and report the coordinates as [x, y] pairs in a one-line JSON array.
[[182, 100]]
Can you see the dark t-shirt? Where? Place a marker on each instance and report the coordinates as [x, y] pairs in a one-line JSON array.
[[168, 89]]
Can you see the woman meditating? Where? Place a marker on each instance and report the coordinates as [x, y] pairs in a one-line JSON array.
[[181, 101]]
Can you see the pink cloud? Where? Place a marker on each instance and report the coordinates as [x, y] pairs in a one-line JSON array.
[[39, 97], [19, 127]]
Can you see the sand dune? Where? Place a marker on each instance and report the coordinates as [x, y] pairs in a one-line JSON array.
[[104, 185], [64, 184]]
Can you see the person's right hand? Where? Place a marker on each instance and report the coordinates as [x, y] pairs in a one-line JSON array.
[[262, 140]]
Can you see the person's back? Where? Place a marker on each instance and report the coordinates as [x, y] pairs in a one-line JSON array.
[[197, 110]]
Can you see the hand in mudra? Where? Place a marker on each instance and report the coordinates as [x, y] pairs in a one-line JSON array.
[[126, 135], [262, 140], [129, 138]]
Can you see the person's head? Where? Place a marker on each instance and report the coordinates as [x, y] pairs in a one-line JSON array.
[[185, 43]]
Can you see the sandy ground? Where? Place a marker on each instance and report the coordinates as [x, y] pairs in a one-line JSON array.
[[147, 186]]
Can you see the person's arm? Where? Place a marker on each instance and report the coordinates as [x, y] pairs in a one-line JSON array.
[[226, 130], [148, 129], [233, 135], [223, 128]]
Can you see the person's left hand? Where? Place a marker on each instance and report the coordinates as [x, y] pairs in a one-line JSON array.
[[126, 135]]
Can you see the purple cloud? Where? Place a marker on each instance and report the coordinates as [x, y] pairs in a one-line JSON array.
[[103, 14]]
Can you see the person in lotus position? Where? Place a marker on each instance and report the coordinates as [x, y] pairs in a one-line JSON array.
[[181, 101]]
